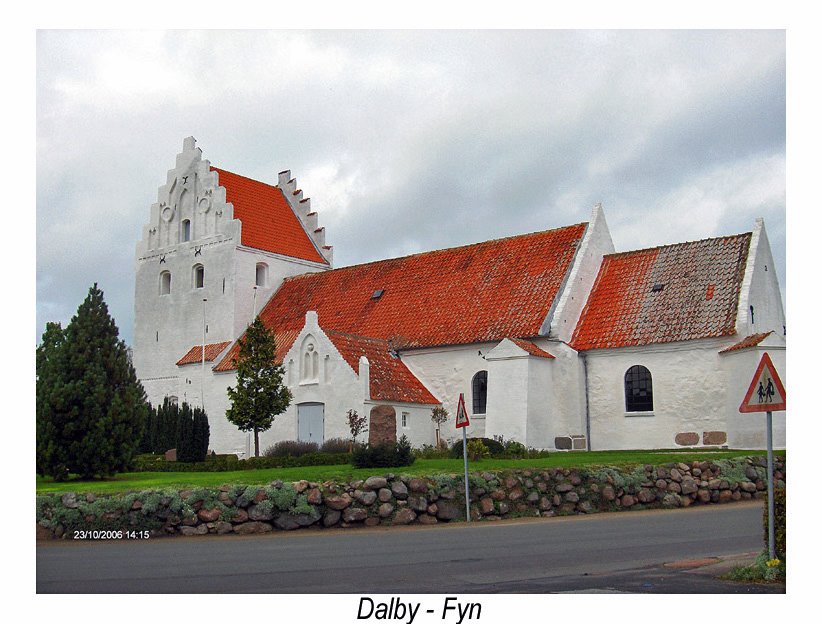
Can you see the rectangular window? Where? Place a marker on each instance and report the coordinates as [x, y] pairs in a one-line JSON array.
[[405, 420]]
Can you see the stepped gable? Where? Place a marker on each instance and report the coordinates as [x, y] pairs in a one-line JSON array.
[[269, 222], [480, 292], [389, 379], [195, 354], [665, 294]]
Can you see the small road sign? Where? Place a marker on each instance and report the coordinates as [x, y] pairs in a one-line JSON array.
[[766, 392], [462, 415]]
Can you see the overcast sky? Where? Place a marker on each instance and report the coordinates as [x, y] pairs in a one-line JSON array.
[[408, 141]]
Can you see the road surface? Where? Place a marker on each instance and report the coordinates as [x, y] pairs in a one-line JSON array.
[[614, 551]]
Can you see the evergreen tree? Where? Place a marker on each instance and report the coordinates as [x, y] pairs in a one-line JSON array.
[[91, 409], [260, 394]]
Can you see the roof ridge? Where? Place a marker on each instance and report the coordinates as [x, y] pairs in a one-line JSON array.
[[682, 244], [239, 175], [436, 251]]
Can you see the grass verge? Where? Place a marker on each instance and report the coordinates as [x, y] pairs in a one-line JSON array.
[[763, 570], [136, 481]]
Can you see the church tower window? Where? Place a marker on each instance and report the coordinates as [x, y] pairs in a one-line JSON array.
[[165, 283], [185, 233], [479, 390], [639, 391], [198, 276], [262, 274]]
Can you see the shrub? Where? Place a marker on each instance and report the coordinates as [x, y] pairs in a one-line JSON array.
[[515, 450], [495, 448], [335, 445], [477, 450], [779, 522], [388, 455], [291, 448], [429, 451]]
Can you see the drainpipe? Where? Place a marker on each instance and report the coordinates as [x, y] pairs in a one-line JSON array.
[[587, 411]]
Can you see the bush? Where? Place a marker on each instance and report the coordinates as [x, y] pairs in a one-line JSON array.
[[388, 455], [495, 448], [429, 451], [336, 445], [291, 448], [779, 522], [515, 450], [477, 450]]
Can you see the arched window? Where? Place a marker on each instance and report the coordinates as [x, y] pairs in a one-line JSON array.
[[479, 390], [198, 276], [310, 361], [639, 391], [262, 274], [165, 283], [185, 231]]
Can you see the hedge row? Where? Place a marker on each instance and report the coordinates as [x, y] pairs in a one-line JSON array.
[[229, 463]]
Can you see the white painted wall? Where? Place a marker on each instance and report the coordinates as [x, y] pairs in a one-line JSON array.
[[760, 289], [570, 301], [447, 371]]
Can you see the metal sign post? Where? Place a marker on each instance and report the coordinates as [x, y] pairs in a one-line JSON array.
[[462, 423], [766, 394]]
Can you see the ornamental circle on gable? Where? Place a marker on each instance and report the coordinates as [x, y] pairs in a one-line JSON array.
[[204, 204], [166, 212]]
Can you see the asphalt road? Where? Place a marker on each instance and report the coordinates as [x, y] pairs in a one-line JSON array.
[[605, 552]]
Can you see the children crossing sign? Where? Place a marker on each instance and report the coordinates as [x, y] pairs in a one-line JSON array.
[[462, 415], [766, 392]]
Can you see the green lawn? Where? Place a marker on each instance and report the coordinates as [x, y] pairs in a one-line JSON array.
[[136, 481]]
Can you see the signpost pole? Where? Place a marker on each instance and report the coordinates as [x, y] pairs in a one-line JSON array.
[[465, 461], [771, 528]]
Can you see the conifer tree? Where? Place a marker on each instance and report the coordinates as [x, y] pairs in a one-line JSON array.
[[260, 394], [91, 408]]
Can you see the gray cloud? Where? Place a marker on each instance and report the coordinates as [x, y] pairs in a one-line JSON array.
[[408, 141]]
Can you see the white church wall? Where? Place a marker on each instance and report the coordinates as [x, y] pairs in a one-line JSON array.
[[279, 267], [760, 289], [447, 371], [509, 373], [571, 299], [566, 393], [689, 385]]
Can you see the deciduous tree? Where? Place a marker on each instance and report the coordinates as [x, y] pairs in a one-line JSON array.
[[260, 395]]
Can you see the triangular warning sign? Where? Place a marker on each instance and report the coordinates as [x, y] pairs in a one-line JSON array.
[[462, 415], [766, 392]]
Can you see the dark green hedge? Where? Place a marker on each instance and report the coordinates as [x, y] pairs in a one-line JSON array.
[[779, 522], [226, 463]]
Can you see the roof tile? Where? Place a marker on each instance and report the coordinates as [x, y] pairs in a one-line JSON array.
[[268, 221], [195, 354], [699, 297]]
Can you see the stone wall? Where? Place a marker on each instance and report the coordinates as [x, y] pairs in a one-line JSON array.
[[401, 500]]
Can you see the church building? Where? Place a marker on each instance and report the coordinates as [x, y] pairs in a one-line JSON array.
[[555, 340]]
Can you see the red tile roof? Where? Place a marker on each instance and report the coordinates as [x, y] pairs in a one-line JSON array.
[[282, 341], [268, 221], [531, 348], [747, 342], [195, 354], [481, 292], [664, 294], [390, 379]]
